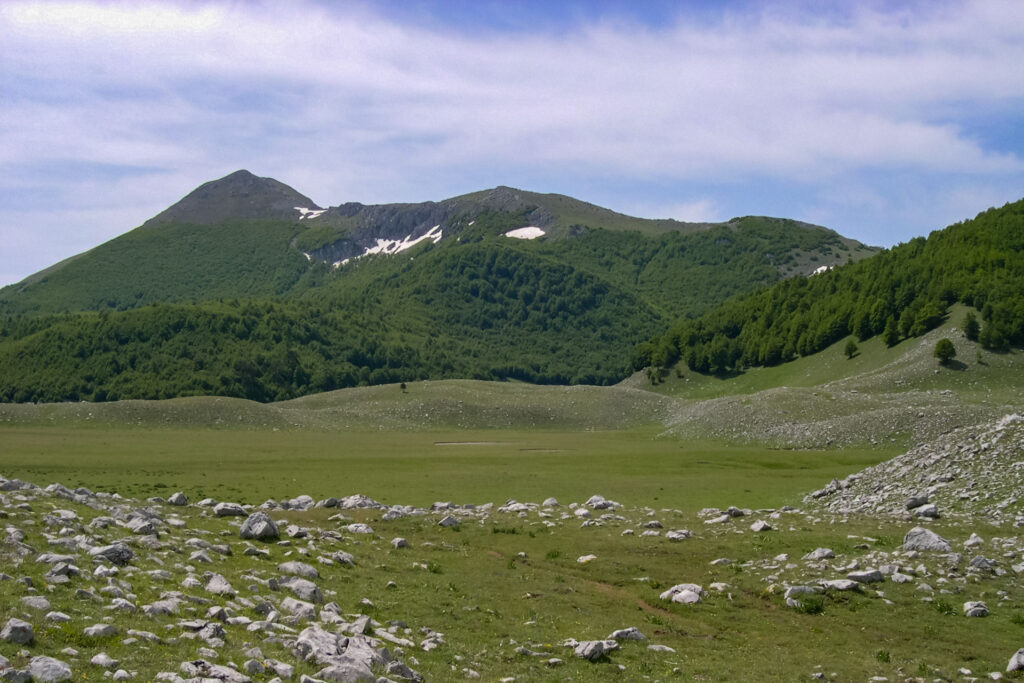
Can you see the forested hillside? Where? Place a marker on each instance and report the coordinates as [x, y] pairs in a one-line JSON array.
[[485, 307], [902, 292], [239, 307]]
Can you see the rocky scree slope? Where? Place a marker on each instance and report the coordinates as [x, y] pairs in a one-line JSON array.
[[969, 472]]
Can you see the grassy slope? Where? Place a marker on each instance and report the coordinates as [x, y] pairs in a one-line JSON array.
[[897, 395]]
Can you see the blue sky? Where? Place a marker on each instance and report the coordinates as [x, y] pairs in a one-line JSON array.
[[883, 121]]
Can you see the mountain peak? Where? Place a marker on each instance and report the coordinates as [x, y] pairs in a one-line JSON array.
[[237, 195]]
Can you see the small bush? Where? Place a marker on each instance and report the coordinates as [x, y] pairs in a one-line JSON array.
[[811, 604], [943, 607], [553, 554], [883, 656]]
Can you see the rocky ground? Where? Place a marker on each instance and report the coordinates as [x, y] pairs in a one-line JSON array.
[[972, 472], [96, 586]]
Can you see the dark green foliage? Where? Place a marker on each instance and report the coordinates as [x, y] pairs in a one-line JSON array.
[[901, 292], [810, 604], [850, 350], [971, 326], [945, 351]]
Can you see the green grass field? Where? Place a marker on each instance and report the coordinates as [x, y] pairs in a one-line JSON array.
[[420, 467]]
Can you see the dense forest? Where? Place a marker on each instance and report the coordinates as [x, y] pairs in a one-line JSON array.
[[902, 292], [235, 310]]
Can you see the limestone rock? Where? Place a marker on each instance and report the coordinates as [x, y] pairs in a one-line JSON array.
[[17, 631], [923, 539], [302, 569], [975, 609], [1016, 661], [631, 633], [259, 526], [177, 498], [228, 510], [48, 670], [116, 553], [593, 650]]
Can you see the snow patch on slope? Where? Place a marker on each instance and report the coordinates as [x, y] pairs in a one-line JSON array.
[[308, 213], [530, 232], [396, 246]]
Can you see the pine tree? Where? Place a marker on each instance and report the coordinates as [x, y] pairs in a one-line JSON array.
[[891, 334], [971, 326]]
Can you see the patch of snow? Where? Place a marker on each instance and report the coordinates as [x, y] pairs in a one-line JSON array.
[[395, 246], [309, 257], [308, 213], [822, 269], [531, 232]]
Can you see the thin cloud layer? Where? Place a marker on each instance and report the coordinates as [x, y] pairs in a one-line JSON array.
[[109, 110]]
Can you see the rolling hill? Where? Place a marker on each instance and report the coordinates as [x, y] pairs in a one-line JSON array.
[[232, 292]]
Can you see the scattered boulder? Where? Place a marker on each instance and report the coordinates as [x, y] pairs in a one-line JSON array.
[[593, 650], [1016, 661], [229, 510], [48, 670], [116, 553], [259, 527], [916, 501], [631, 633], [178, 498], [17, 631], [975, 609], [922, 539]]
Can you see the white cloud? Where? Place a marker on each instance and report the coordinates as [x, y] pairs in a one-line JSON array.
[[348, 104]]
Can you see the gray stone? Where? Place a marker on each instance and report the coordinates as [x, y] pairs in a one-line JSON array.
[[177, 498], [631, 633], [218, 585], [304, 589], [448, 521], [683, 593], [299, 608], [922, 539], [347, 671], [866, 576], [760, 525], [820, 554], [116, 553], [259, 526], [840, 585], [100, 631], [593, 650], [48, 670], [299, 569], [975, 609], [928, 511], [1016, 661], [399, 542], [104, 660], [17, 631], [36, 602], [228, 510], [916, 501]]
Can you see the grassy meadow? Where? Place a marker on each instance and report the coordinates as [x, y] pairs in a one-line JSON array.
[[420, 467]]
